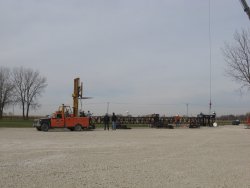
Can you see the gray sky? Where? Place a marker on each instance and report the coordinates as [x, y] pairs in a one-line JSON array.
[[142, 56]]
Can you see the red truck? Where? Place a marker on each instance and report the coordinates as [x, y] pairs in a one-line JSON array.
[[63, 118]]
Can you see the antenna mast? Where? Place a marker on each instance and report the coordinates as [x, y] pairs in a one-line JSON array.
[[210, 58]]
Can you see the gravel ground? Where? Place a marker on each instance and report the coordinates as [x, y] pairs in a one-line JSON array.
[[146, 158]]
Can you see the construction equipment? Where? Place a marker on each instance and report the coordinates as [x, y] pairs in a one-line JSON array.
[[194, 122], [203, 120], [247, 125], [245, 7], [64, 117], [119, 125], [78, 94], [157, 122]]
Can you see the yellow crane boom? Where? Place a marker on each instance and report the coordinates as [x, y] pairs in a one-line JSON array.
[[78, 94]]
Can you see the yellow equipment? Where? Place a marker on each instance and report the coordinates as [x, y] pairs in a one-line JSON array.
[[78, 94]]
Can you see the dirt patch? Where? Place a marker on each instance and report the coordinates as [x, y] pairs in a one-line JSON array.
[[205, 157]]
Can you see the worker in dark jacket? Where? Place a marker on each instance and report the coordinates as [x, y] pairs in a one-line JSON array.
[[114, 119], [106, 121]]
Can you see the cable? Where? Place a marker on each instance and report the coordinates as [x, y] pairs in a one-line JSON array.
[[210, 57]]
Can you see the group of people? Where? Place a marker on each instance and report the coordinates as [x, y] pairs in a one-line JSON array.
[[106, 121], [82, 114]]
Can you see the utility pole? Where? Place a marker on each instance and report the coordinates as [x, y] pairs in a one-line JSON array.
[[245, 7], [187, 109], [13, 110]]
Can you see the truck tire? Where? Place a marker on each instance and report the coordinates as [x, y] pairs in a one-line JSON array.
[[45, 127], [78, 127]]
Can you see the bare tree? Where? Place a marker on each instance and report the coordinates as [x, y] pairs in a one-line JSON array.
[[28, 85], [237, 56], [6, 88]]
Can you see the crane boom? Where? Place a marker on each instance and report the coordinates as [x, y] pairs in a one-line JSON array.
[[245, 7], [78, 94]]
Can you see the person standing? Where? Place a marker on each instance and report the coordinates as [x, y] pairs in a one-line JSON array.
[[114, 119], [106, 121], [89, 114], [90, 118], [177, 120]]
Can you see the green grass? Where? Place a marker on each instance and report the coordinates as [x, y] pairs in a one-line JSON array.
[[18, 123], [227, 122]]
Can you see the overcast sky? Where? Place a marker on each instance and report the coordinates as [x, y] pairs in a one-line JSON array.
[[141, 56]]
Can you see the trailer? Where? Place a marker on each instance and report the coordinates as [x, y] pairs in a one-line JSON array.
[[157, 122], [247, 125]]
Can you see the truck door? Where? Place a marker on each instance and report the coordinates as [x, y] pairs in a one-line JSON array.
[[57, 121]]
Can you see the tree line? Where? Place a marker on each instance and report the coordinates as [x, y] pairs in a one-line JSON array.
[[22, 87]]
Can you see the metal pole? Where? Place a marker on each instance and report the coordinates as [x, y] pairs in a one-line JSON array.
[[187, 109], [13, 111], [210, 58]]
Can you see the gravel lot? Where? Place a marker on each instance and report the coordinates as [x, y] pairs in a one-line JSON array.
[[146, 158]]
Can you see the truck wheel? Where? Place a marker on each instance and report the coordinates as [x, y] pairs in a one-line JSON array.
[[78, 127], [45, 127]]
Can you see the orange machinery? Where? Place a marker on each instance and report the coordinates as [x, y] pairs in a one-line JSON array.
[[247, 125], [64, 117]]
